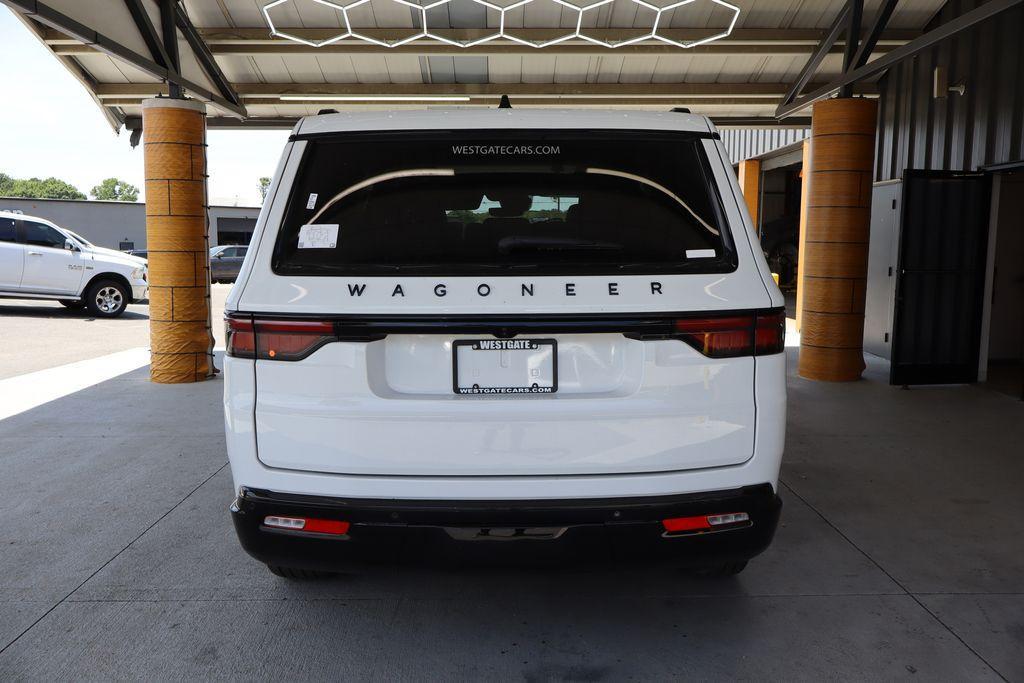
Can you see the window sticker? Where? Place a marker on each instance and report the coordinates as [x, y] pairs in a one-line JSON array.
[[311, 202], [318, 236], [700, 253]]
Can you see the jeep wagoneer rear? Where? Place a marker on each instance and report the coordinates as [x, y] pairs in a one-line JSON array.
[[465, 327]]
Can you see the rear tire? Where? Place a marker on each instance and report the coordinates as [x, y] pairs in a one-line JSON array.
[[722, 571], [107, 298], [73, 304], [297, 574]]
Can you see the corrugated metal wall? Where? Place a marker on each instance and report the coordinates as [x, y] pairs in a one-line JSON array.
[[747, 143], [982, 127]]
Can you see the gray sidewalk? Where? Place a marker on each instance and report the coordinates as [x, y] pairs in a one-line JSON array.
[[901, 555]]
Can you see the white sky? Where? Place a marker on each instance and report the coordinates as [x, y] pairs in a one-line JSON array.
[[49, 126]]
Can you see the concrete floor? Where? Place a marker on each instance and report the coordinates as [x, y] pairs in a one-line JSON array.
[[36, 335], [900, 555]]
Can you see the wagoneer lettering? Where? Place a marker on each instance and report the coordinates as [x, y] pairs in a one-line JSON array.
[[525, 320], [484, 289]]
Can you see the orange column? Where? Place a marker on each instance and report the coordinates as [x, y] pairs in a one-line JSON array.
[[805, 194], [835, 255], [750, 185], [174, 137]]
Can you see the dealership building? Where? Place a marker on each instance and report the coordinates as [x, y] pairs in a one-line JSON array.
[[122, 225]]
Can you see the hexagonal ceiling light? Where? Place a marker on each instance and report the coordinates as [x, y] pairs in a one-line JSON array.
[[692, 43], [274, 31], [576, 33]]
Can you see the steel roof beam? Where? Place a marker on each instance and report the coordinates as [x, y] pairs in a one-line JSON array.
[[168, 10], [284, 122], [870, 41], [741, 36], [496, 48], [811, 67], [855, 14], [148, 32], [872, 68], [45, 14], [205, 57], [262, 91]]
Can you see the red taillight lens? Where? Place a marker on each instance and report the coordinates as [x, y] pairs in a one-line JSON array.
[[277, 339], [720, 337], [734, 335], [770, 333], [241, 340], [291, 340]]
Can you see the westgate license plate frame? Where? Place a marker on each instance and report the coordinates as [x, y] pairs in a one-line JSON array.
[[505, 391]]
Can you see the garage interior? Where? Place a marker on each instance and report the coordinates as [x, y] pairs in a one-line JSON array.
[[901, 551]]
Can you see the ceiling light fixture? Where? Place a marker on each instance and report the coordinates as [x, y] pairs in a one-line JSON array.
[[578, 32], [375, 98]]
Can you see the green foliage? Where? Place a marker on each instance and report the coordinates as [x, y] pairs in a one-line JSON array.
[[115, 190], [35, 188], [264, 186]]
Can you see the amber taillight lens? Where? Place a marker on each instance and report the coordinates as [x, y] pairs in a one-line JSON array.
[[285, 340]]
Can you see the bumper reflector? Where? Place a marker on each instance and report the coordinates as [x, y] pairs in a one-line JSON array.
[[700, 523], [308, 524]]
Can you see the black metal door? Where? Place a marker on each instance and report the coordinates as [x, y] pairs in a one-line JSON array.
[[940, 281]]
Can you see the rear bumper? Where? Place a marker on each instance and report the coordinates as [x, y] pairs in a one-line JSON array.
[[559, 530]]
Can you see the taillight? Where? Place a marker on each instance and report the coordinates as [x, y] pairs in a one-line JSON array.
[[241, 340], [770, 333], [730, 336], [291, 340], [287, 340]]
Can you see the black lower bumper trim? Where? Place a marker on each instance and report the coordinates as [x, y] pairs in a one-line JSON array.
[[505, 531]]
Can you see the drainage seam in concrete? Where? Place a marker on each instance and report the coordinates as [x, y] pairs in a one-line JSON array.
[[892, 578], [114, 557]]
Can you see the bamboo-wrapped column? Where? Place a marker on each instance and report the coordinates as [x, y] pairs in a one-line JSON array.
[[174, 138], [835, 255], [750, 185]]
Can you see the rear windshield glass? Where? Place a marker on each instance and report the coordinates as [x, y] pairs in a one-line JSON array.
[[470, 202]]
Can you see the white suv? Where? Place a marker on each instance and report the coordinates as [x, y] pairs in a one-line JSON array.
[[40, 260], [464, 327]]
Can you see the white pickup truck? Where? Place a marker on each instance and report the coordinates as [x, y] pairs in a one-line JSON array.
[[40, 260]]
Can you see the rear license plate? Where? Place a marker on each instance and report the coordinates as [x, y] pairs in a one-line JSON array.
[[505, 366]]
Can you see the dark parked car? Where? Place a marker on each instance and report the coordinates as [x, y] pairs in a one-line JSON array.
[[225, 262]]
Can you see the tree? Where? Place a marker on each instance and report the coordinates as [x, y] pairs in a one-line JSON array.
[[115, 190], [264, 187], [34, 188]]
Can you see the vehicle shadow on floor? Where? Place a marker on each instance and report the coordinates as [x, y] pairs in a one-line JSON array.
[[58, 311]]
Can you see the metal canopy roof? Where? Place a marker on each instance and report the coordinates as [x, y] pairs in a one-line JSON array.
[[230, 60]]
